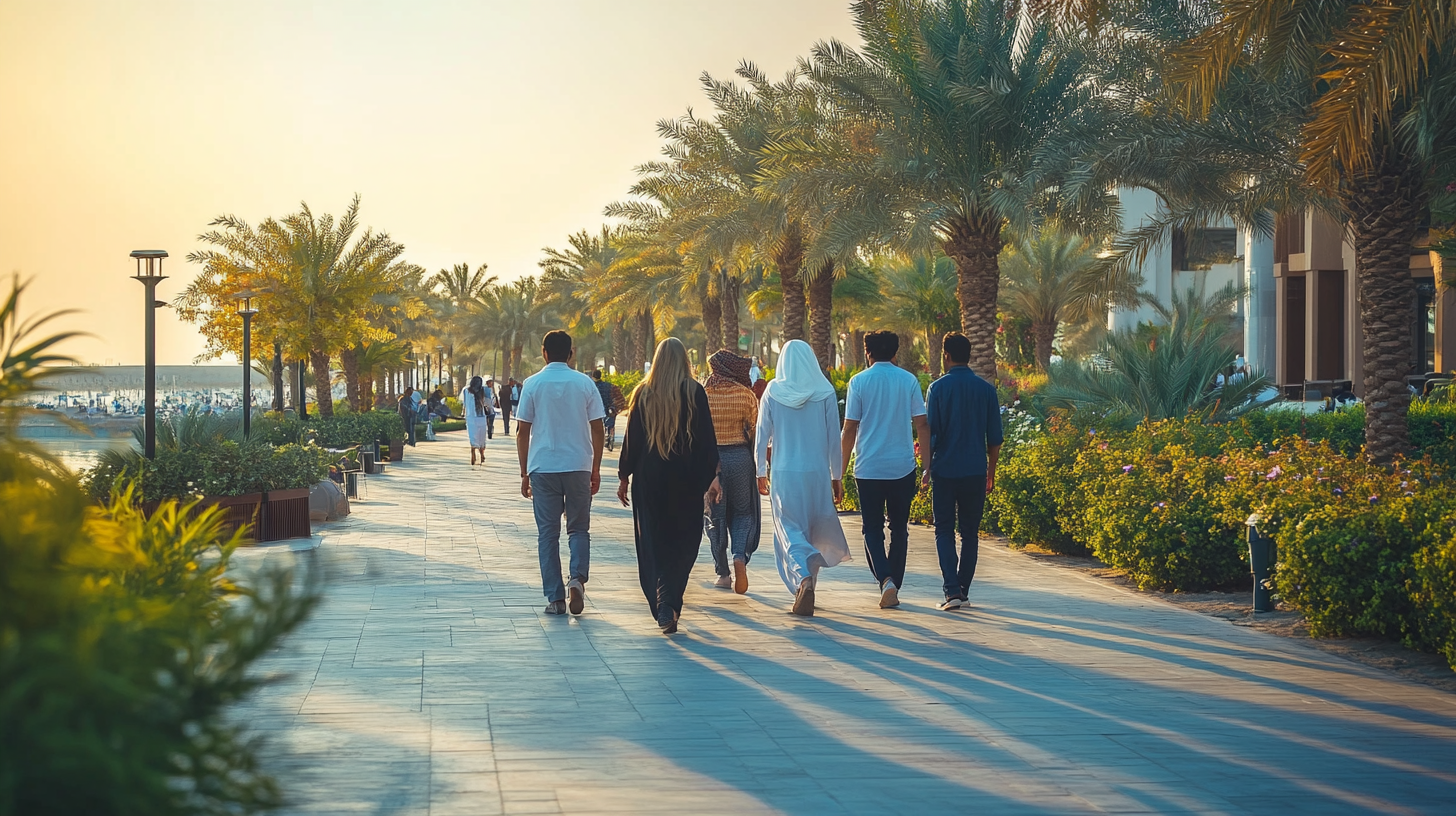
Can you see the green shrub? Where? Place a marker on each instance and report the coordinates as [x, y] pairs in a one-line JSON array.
[[342, 430], [1151, 509], [625, 380], [1347, 530], [1343, 429], [1433, 595], [1432, 425], [122, 643], [441, 426], [1034, 491], [224, 469]]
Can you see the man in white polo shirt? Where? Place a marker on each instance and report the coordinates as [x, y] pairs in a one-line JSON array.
[[883, 414], [559, 443]]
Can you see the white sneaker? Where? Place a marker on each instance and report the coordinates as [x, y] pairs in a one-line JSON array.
[[951, 604], [724, 582], [889, 595], [575, 597]]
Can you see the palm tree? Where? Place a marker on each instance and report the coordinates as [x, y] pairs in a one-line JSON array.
[[1162, 371], [963, 116], [1377, 118], [318, 284], [509, 316], [1051, 278], [569, 275], [922, 292]]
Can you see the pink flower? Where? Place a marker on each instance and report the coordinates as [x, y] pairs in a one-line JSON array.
[[1127, 468]]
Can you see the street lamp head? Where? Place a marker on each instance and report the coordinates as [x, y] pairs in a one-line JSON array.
[[245, 303], [152, 268]]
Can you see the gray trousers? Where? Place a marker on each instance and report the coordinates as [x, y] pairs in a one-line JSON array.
[[553, 494]]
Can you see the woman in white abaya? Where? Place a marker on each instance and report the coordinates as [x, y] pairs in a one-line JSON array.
[[798, 432]]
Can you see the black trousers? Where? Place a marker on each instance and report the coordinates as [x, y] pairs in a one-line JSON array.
[[957, 500], [879, 498]]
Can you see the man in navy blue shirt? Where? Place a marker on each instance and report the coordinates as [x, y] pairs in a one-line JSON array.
[[965, 442]]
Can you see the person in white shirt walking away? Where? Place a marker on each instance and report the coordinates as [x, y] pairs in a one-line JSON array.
[[559, 444], [884, 413]]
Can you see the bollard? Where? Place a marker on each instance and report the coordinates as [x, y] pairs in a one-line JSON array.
[[1261, 563], [366, 461]]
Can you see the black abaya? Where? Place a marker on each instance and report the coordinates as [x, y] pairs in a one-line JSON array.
[[667, 503]]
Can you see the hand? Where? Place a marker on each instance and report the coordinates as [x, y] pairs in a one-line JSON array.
[[715, 491], [990, 483], [838, 491], [763, 485], [622, 493], [925, 478], [526, 486], [596, 481]]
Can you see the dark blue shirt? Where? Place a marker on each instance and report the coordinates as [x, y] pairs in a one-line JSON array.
[[965, 420]]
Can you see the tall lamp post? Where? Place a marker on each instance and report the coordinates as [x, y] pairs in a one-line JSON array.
[[246, 310], [440, 364], [149, 274]]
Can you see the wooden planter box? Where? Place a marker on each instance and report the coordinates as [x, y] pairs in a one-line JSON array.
[[239, 511], [285, 515], [396, 451]]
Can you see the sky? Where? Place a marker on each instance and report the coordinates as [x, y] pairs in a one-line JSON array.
[[475, 132]]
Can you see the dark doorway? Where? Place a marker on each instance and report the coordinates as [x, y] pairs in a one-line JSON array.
[[1293, 323], [1329, 331]]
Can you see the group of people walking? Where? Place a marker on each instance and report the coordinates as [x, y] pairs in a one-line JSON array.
[[701, 456]]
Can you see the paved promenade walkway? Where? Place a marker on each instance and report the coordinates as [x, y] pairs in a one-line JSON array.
[[430, 682]]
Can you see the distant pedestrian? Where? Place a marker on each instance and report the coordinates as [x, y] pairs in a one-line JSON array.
[[734, 506], [491, 409], [609, 393], [755, 377], [407, 414], [477, 400], [504, 404], [669, 458], [559, 445], [965, 442], [798, 429], [884, 413]]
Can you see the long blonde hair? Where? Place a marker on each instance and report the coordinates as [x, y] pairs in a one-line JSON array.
[[660, 398]]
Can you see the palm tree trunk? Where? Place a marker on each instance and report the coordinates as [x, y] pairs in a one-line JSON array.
[[505, 376], [1044, 334], [644, 339], [907, 348], [789, 258], [621, 345], [322, 382], [1385, 206], [349, 361], [516, 356], [293, 377], [856, 348], [712, 323], [821, 308], [934, 345], [278, 376], [974, 246], [732, 287]]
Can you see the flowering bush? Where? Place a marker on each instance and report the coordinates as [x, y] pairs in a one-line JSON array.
[[1033, 492], [1150, 508], [1433, 596]]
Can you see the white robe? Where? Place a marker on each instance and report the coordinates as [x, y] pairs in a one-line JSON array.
[[477, 427], [806, 460]]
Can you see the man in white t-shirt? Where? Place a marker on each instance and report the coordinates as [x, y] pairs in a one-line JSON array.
[[559, 444], [883, 414]]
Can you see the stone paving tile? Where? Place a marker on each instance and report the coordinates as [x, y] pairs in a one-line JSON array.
[[430, 682]]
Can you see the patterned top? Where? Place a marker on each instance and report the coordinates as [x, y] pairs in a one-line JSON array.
[[735, 412]]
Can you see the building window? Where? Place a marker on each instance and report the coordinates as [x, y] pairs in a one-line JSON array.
[[1425, 328], [1200, 249]]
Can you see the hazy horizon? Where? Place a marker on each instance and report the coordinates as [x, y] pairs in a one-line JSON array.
[[474, 132]]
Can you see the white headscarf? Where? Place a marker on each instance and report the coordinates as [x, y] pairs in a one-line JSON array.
[[798, 379]]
